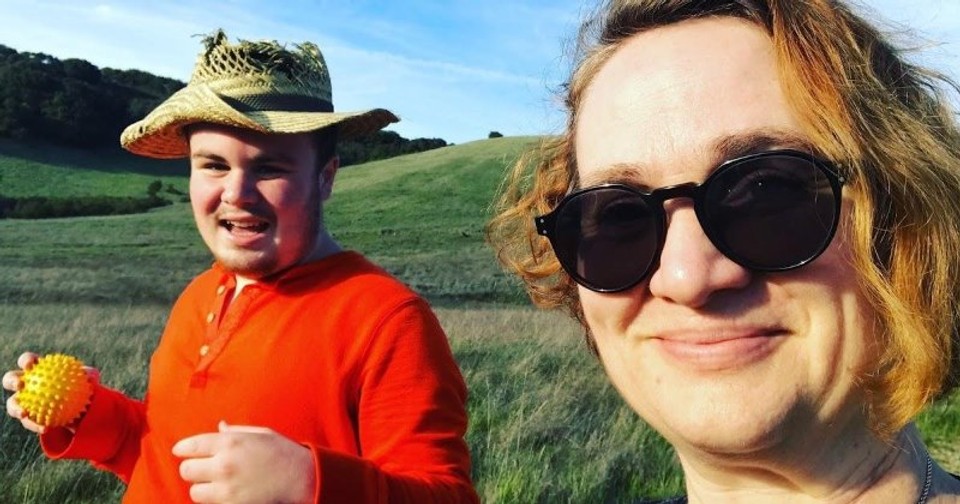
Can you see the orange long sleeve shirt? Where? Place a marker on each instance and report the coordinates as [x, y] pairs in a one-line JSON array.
[[335, 354]]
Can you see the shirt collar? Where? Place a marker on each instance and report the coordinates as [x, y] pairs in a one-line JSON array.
[[291, 274]]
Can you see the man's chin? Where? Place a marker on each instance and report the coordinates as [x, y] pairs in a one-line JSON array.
[[247, 267]]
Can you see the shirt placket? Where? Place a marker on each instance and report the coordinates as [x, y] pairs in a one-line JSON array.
[[221, 323]]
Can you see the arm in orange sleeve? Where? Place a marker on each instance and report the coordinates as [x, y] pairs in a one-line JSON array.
[[412, 420], [108, 436]]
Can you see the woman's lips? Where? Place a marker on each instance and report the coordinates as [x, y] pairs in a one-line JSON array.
[[702, 351]]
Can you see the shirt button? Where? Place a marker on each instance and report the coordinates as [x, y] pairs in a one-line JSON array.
[[210, 317], [221, 290], [204, 350]]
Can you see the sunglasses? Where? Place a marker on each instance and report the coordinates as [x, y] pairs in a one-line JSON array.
[[771, 211]]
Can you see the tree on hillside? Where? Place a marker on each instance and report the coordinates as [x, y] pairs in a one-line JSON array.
[[495, 134], [81, 70], [23, 87], [70, 102], [383, 145]]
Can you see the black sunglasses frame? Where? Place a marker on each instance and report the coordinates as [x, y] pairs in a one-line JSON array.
[[546, 224]]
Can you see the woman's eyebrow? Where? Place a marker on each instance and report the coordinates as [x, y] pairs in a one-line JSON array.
[[751, 142], [725, 148], [615, 173]]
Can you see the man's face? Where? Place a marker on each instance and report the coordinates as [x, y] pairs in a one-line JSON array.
[[257, 198], [719, 359]]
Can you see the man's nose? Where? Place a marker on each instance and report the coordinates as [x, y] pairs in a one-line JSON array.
[[239, 188]]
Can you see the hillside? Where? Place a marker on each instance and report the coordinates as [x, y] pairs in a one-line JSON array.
[[420, 215], [28, 169]]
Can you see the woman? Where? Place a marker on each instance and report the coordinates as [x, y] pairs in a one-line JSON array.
[[755, 212]]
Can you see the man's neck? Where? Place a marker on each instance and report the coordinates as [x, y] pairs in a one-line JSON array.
[[325, 247]]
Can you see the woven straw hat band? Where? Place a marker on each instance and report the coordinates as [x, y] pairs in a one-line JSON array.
[[261, 86], [280, 102]]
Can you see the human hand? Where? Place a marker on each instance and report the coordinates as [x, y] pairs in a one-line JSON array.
[[13, 381], [244, 464]]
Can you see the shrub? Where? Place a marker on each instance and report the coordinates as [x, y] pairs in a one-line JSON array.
[[36, 207], [154, 188]]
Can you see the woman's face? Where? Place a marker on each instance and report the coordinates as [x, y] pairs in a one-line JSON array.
[[719, 359]]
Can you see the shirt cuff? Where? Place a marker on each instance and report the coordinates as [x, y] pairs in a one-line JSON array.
[[91, 440], [345, 479]]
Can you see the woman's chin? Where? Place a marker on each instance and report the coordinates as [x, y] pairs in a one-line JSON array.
[[732, 428]]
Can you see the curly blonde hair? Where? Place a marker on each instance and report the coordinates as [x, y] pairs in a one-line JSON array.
[[864, 106]]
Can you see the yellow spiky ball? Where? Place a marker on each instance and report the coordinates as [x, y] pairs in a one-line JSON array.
[[55, 390]]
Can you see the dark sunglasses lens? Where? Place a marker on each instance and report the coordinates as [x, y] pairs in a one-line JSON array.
[[606, 238], [772, 213]]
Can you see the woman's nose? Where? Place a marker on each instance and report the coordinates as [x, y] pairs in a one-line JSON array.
[[691, 269]]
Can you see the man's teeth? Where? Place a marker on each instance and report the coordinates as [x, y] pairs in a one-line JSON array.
[[245, 226]]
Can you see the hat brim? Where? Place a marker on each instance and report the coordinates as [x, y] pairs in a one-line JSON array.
[[160, 133]]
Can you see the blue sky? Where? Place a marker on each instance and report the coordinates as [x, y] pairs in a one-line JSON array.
[[454, 69]]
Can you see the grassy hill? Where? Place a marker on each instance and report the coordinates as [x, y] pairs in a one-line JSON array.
[[43, 170], [422, 217], [419, 215]]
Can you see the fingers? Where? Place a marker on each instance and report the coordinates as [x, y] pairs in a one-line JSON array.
[[93, 374], [201, 445], [206, 445], [204, 461], [207, 456], [27, 360], [14, 410], [12, 380], [201, 470], [243, 463], [223, 426], [203, 493]]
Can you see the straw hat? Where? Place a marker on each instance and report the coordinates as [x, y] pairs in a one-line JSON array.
[[261, 86]]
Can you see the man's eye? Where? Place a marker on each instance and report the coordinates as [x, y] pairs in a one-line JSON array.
[[214, 167], [269, 171]]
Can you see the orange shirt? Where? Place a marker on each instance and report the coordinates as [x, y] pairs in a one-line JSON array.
[[335, 354]]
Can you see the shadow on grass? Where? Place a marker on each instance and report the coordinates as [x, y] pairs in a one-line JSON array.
[[109, 160]]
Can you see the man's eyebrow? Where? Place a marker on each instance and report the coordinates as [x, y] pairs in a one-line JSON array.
[[206, 155], [723, 149], [263, 158]]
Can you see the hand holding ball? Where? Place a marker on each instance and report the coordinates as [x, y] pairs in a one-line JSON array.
[[55, 390]]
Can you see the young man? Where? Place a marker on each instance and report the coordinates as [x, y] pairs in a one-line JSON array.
[[292, 370]]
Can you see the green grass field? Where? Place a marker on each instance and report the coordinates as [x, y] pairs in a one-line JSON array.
[[545, 424]]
